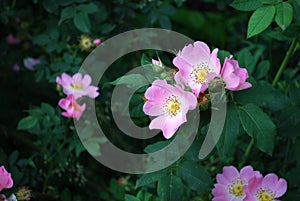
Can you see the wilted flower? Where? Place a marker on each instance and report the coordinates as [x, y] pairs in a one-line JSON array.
[[24, 194], [170, 104], [5, 179], [231, 183], [97, 41], [195, 62], [77, 85], [73, 109], [85, 42], [268, 188], [29, 63], [234, 76], [11, 39]]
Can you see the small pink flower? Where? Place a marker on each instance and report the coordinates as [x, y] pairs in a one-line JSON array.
[[97, 41], [195, 62], [5, 179], [29, 63], [234, 76], [73, 109], [170, 104], [230, 184], [11, 39], [268, 188], [77, 85], [158, 63], [16, 67]]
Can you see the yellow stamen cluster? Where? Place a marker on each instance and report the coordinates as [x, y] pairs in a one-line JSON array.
[[171, 106], [265, 195], [236, 188], [76, 86], [199, 73]]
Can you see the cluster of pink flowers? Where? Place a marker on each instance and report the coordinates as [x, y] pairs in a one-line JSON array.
[[247, 185], [197, 67], [75, 87]]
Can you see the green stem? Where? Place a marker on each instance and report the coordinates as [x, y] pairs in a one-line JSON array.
[[285, 61], [248, 150]]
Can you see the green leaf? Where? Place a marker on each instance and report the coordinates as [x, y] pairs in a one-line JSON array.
[[149, 178], [66, 13], [144, 195], [131, 81], [262, 69], [50, 5], [167, 9], [260, 20], [13, 157], [260, 94], [246, 60], [194, 176], [246, 5], [82, 22], [88, 8], [259, 126], [156, 146], [131, 198], [165, 22], [170, 188], [284, 15], [228, 140], [294, 93], [27, 123], [48, 109], [269, 1]]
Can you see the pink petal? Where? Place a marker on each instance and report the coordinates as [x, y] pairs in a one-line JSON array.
[[215, 61], [231, 173], [157, 123], [91, 91], [280, 187], [232, 82], [245, 85], [86, 81], [219, 190], [77, 78]]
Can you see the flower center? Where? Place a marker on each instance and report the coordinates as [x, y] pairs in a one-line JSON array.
[[199, 73], [265, 195], [236, 188], [76, 86], [171, 106]]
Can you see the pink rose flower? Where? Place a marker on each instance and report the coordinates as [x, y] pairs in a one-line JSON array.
[[73, 109], [231, 183], [97, 41], [195, 62], [12, 40], [234, 76], [77, 85], [170, 104], [5, 179], [268, 188], [29, 63]]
